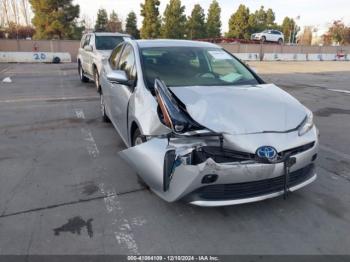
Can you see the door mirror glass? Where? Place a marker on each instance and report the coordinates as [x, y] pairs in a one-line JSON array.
[[119, 77], [88, 48]]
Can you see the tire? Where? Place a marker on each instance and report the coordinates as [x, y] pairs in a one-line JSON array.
[[137, 138], [105, 118], [280, 41], [56, 60], [263, 39], [97, 80], [83, 78]]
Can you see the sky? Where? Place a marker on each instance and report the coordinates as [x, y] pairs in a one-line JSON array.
[[318, 13]]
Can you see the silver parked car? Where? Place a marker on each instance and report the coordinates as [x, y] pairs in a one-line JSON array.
[[201, 126]]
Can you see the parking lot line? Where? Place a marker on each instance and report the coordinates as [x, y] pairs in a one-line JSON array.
[[50, 99], [340, 91], [4, 70], [123, 230]]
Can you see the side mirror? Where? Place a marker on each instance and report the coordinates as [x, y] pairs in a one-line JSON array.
[[88, 48], [119, 77]]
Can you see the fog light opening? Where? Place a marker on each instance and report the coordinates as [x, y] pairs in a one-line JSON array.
[[208, 179], [314, 157]]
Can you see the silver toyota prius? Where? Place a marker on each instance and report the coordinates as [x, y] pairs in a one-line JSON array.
[[201, 126]]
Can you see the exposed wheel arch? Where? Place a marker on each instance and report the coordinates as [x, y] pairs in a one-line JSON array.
[[83, 78], [133, 128], [95, 67]]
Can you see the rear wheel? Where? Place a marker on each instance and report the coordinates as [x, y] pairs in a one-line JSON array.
[[83, 78], [105, 118], [97, 80]]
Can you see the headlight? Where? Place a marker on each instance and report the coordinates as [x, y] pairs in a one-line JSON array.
[[172, 115], [307, 124]]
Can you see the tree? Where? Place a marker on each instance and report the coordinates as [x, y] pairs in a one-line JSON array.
[[261, 20], [114, 24], [239, 23], [14, 31], [339, 33], [214, 20], [151, 20], [5, 12], [101, 24], [174, 20], [196, 23], [270, 18], [306, 36], [24, 6], [55, 19], [87, 22], [289, 29], [131, 25]]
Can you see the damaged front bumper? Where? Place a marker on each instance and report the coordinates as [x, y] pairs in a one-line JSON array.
[[196, 171]]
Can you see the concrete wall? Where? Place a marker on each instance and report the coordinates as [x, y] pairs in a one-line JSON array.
[[284, 49], [72, 46], [34, 57], [69, 46]]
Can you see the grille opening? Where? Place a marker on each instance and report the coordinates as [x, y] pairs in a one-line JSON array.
[[219, 155], [250, 189], [224, 155], [298, 150]]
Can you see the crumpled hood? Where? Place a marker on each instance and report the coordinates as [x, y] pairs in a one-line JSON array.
[[242, 109]]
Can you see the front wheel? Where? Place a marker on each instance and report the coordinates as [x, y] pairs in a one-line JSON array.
[[137, 138], [263, 39], [280, 41], [83, 78]]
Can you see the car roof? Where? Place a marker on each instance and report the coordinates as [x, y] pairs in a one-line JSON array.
[[171, 42], [110, 34], [272, 30]]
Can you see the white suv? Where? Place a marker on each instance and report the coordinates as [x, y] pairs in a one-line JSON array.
[[94, 47], [269, 35]]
